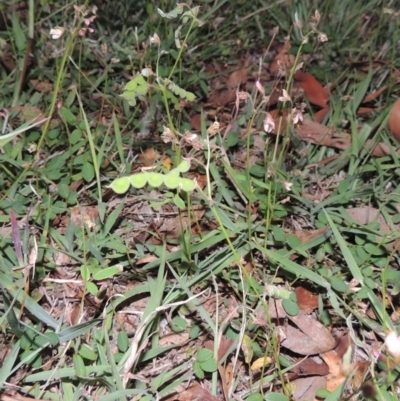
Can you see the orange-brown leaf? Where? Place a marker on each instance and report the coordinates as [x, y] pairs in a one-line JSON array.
[[394, 120], [314, 91]]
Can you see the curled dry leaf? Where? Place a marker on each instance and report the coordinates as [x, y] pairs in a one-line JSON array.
[[314, 91], [306, 300], [306, 387], [194, 392], [314, 366], [394, 120], [310, 339]]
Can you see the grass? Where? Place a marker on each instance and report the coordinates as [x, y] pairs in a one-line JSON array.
[[138, 260]]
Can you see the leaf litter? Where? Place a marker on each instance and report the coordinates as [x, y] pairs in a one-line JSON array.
[[314, 351]]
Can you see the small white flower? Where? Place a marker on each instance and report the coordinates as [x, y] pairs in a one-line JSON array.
[[56, 32], [288, 185], [285, 96], [392, 342], [259, 87], [155, 39], [269, 123], [322, 37], [297, 116], [147, 72]]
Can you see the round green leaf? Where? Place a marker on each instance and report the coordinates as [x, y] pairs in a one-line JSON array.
[[183, 167], [172, 181], [138, 180], [194, 332], [88, 172], [187, 185], [92, 288], [203, 355], [275, 397], [322, 393], [255, 397], [209, 366], [197, 370], [67, 116], [120, 185], [155, 179], [178, 324], [338, 284], [290, 307], [87, 353], [63, 190], [190, 96], [75, 136]]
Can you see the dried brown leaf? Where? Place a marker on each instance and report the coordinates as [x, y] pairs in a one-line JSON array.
[[306, 387], [306, 300], [394, 120]]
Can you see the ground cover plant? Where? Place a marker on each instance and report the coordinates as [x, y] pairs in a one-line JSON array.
[[199, 201]]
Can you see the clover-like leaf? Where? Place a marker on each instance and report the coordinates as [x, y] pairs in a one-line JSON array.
[[187, 185], [172, 181], [183, 167], [138, 180], [120, 185], [155, 179]]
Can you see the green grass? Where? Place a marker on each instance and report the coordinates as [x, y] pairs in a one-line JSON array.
[[122, 284]]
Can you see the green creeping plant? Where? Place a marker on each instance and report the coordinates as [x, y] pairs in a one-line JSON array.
[[172, 180]]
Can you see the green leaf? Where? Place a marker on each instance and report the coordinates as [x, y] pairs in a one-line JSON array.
[[275, 397], [155, 179], [183, 167], [76, 331], [19, 37], [203, 355], [291, 307], [135, 82], [8, 363], [178, 324], [255, 397], [179, 202], [92, 288], [138, 180], [190, 96], [67, 116], [194, 331], [322, 393], [338, 284], [63, 190], [209, 366], [172, 181], [178, 10], [79, 365], [197, 370], [120, 185], [87, 353], [187, 185], [106, 273], [4, 139], [36, 310], [123, 341], [88, 172]]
